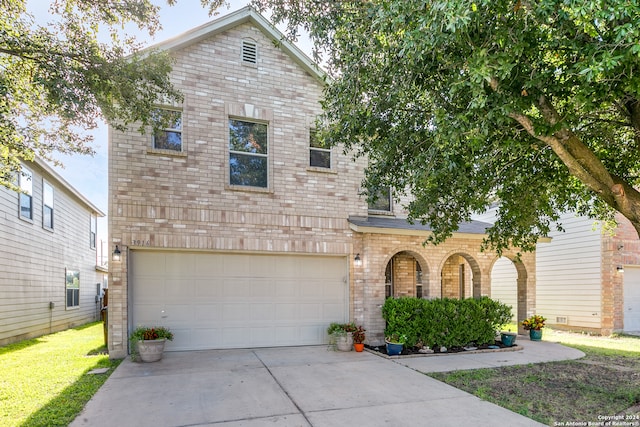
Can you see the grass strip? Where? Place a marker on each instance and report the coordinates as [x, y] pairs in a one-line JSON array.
[[44, 380]]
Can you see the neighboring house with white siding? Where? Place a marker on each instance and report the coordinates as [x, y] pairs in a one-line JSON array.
[[49, 277], [586, 280]]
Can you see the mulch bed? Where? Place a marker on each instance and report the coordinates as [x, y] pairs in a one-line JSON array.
[[414, 351]]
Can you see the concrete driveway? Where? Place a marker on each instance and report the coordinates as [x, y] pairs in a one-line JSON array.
[[294, 386]]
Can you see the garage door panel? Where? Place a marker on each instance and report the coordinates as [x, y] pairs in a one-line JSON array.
[[262, 312], [234, 300], [333, 311], [207, 266], [179, 288], [179, 266], [208, 313], [208, 287], [286, 312], [239, 288]]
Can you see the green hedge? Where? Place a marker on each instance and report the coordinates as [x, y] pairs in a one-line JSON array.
[[445, 322]]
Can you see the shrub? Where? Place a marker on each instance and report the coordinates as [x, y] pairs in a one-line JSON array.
[[445, 322]]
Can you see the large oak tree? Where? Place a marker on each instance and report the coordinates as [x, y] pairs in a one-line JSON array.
[[59, 79], [533, 104]]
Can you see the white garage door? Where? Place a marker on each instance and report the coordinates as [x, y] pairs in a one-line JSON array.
[[631, 299], [238, 301]]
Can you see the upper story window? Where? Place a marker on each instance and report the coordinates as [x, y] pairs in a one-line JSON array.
[[382, 202], [93, 227], [249, 52], [25, 182], [47, 205], [170, 136], [319, 151], [248, 154]]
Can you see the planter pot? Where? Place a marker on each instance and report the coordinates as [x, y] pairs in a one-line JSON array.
[[508, 338], [358, 346], [393, 349], [151, 350], [344, 342], [535, 334]]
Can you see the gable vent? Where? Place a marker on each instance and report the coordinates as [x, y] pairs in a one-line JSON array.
[[249, 52]]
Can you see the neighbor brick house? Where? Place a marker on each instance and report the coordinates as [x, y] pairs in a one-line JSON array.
[[236, 228], [49, 274]]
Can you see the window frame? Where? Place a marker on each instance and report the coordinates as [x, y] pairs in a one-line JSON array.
[[45, 205], [72, 286], [266, 156], [93, 230], [170, 130], [312, 149], [375, 208], [25, 193]]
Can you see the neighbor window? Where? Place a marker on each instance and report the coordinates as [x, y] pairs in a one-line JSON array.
[[47, 205], [169, 137], [93, 226], [26, 200], [72, 283], [382, 201], [319, 151], [248, 160]]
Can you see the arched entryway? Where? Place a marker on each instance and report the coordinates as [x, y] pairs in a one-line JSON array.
[[504, 284], [460, 277], [509, 284], [406, 275]]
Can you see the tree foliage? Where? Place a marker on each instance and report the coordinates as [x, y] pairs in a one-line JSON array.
[[59, 79], [462, 104]]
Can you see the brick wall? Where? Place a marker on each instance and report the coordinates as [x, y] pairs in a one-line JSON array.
[[184, 200], [376, 250]]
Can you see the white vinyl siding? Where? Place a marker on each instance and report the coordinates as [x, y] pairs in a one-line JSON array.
[[504, 286], [569, 274], [33, 261]]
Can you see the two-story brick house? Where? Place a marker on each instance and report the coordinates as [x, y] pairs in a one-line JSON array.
[[49, 274], [236, 228]]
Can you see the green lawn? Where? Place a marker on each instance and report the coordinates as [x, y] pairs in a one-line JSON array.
[[44, 381], [605, 382]]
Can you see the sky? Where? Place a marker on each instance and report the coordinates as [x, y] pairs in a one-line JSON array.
[[89, 174]]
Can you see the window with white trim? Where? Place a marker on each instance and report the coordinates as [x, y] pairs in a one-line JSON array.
[[72, 287], [169, 137], [319, 151], [93, 227], [47, 205], [25, 182], [248, 154]]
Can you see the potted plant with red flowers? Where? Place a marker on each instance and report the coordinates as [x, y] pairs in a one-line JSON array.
[[534, 325], [358, 338], [147, 343]]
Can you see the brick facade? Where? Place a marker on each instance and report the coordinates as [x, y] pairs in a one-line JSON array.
[[183, 201]]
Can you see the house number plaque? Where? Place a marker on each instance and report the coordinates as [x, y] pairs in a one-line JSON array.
[[140, 243]]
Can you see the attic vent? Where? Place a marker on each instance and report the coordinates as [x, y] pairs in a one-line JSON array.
[[561, 320], [249, 52]]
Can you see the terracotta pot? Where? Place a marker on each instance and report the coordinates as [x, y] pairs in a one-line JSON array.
[[358, 346]]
